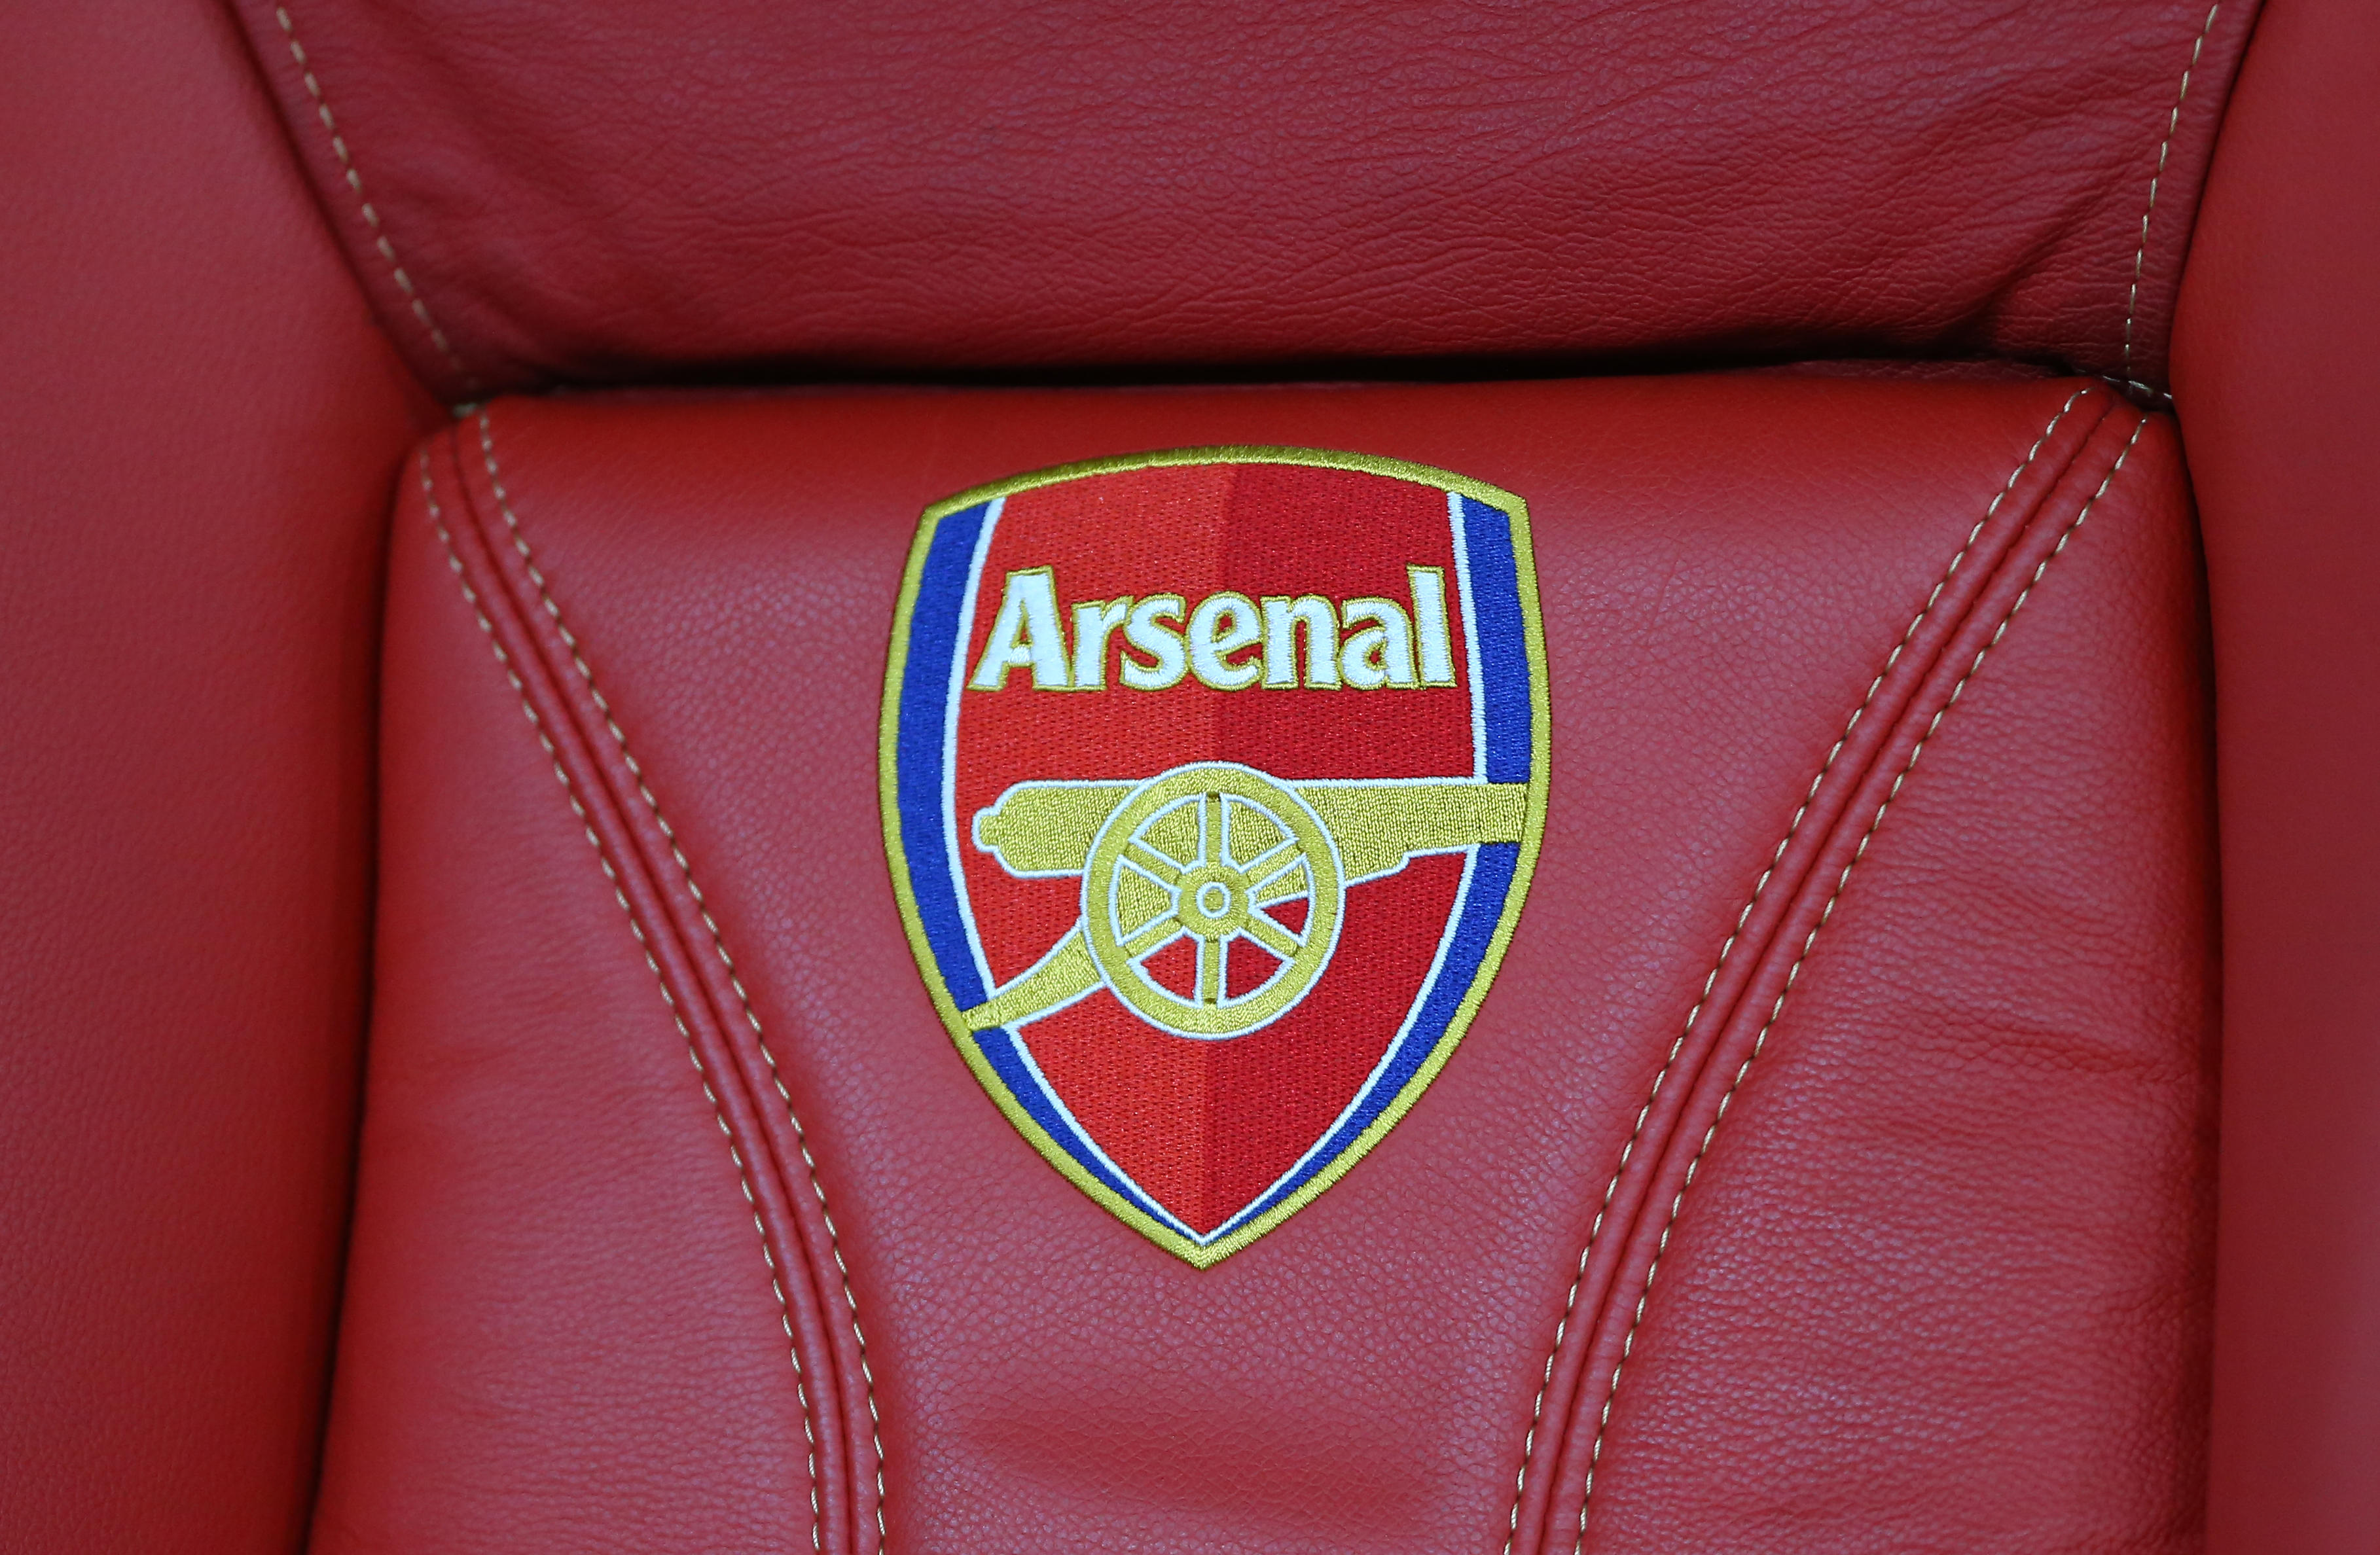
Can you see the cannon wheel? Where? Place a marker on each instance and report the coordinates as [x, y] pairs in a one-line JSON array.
[[1255, 842]]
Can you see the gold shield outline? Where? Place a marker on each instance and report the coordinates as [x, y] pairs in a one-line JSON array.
[[1515, 509]]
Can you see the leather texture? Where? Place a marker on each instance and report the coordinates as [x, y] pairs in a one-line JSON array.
[[572, 191], [1926, 1167], [2277, 372], [199, 423]]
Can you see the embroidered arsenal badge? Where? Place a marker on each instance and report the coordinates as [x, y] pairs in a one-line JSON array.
[[1212, 780]]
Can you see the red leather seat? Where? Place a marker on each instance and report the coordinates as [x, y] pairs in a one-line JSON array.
[[1874, 1055]]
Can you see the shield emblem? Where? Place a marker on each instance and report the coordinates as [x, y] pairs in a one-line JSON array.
[[1212, 781]]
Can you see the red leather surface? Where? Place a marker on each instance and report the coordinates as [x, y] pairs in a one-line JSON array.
[[1940, 1281], [198, 424], [587, 191], [2278, 370]]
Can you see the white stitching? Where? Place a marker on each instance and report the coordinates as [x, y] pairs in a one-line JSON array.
[[602, 857], [2172, 121], [371, 217], [1661, 1249], [1570, 1304], [717, 944]]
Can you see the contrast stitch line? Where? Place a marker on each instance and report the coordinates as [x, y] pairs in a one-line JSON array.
[[1628, 1343], [1570, 1304], [603, 857], [2172, 121], [718, 942], [371, 217]]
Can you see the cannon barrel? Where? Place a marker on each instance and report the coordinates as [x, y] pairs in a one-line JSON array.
[[1042, 829]]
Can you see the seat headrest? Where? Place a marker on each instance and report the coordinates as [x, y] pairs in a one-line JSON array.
[[586, 190]]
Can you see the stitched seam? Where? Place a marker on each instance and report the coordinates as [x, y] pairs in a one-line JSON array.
[[1759, 887], [718, 943], [603, 857], [2172, 121], [371, 217], [1628, 1342]]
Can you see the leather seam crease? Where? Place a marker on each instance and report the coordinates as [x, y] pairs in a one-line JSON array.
[[1802, 957], [354, 182], [718, 943], [1727, 950], [612, 877], [2165, 148]]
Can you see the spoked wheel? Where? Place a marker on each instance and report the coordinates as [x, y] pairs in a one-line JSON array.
[[1203, 851]]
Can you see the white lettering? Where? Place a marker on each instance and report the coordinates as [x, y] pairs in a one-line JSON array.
[[1212, 643], [1095, 622], [1380, 654], [1025, 633], [1282, 617], [1432, 644], [1228, 641], [1145, 630]]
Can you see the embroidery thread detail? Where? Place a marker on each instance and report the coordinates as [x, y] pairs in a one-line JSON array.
[[1210, 827]]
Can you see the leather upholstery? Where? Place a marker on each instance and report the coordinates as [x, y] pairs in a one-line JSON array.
[[2278, 377], [197, 426], [567, 190], [1983, 1111]]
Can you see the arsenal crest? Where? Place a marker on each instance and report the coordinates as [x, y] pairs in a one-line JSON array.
[[1212, 780]]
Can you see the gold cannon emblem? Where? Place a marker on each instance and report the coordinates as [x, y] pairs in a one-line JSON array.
[[1207, 851]]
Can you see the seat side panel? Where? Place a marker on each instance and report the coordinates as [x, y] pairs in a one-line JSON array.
[[199, 423], [2277, 374]]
